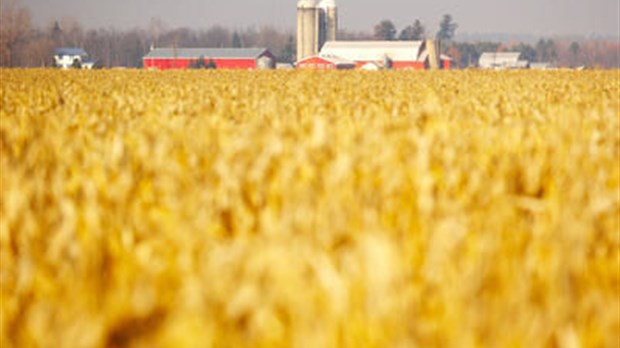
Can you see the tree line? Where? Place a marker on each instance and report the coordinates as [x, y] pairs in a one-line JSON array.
[[23, 44], [561, 53]]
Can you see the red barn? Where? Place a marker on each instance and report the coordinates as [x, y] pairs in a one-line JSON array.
[[223, 58], [395, 54]]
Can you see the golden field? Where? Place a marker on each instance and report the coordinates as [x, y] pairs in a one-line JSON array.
[[307, 209]]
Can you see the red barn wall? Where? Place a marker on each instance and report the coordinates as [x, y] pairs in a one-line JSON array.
[[184, 63], [396, 65], [408, 65]]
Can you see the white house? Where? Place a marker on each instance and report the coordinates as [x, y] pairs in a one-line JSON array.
[[66, 57]]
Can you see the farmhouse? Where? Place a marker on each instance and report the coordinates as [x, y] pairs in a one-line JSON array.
[[221, 58], [502, 60], [68, 57]]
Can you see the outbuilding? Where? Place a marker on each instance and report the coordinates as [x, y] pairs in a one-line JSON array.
[[446, 62], [502, 60], [219, 58]]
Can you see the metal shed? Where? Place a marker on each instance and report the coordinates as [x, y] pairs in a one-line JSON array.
[[501, 60]]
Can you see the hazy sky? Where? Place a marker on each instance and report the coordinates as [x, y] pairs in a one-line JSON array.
[[539, 17]]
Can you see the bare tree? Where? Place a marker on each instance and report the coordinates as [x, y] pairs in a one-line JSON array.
[[249, 37], [218, 36], [14, 30], [72, 32], [156, 27], [347, 35], [37, 50]]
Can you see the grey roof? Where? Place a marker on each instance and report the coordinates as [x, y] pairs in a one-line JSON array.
[[194, 53], [69, 51]]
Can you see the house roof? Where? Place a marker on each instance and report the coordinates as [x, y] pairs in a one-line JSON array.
[[194, 53], [69, 51], [373, 50]]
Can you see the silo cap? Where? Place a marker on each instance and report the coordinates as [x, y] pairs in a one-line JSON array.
[[327, 3], [306, 3]]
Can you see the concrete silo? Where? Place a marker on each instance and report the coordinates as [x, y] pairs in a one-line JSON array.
[[307, 29], [328, 21]]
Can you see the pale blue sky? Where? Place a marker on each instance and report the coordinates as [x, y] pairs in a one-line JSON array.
[[538, 17]]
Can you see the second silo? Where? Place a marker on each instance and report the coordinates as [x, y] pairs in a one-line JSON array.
[[328, 21]]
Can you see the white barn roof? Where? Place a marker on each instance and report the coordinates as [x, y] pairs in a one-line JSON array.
[[367, 51], [489, 60]]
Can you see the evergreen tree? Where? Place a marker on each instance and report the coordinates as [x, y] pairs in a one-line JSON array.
[[200, 63], [413, 32], [527, 52], [56, 34], [447, 28], [236, 41], [546, 50], [287, 54], [211, 64], [385, 30], [574, 49]]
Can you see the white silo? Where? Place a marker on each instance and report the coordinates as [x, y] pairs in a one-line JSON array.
[[307, 29], [329, 21]]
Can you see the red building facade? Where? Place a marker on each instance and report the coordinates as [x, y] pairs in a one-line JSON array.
[[221, 58]]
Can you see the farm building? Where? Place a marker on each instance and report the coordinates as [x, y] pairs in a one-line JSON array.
[[320, 63], [222, 58], [502, 60], [446, 62], [373, 55], [69, 57]]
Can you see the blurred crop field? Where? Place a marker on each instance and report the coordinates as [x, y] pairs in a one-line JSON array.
[[309, 209]]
